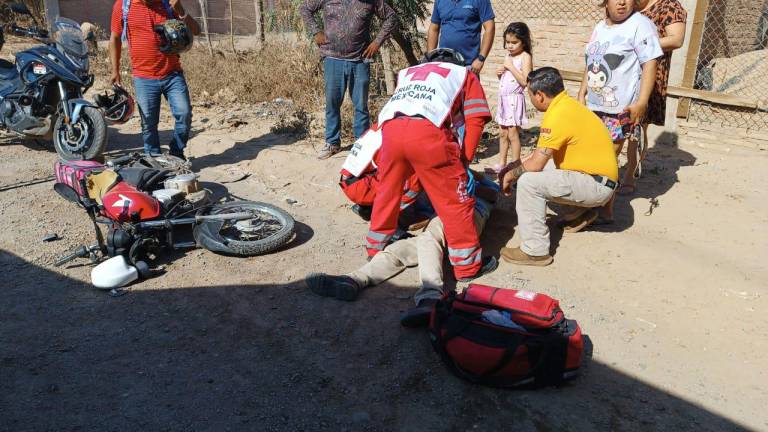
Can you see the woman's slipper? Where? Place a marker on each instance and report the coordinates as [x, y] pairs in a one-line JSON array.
[[626, 190]]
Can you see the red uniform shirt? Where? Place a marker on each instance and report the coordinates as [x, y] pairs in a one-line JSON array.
[[474, 103], [143, 43], [476, 113]]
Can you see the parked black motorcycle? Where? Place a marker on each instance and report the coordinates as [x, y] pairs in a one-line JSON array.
[[42, 94]]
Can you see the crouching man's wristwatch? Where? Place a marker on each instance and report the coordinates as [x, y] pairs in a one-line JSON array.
[[481, 58]]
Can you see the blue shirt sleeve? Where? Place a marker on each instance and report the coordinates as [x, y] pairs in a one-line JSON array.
[[485, 10], [436, 13]]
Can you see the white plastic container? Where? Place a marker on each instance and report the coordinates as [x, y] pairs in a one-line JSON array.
[[186, 183], [113, 273], [167, 196]]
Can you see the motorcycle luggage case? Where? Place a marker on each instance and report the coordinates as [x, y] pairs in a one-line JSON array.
[[70, 172]]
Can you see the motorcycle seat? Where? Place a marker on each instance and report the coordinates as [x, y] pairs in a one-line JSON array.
[[7, 70], [100, 183], [144, 179], [9, 78]]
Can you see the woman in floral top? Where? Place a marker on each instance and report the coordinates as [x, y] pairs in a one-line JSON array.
[[669, 16]]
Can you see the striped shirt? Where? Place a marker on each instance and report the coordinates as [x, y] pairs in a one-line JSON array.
[[144, 44]]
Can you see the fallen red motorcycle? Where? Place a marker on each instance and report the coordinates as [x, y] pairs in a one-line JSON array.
[[149, 205]]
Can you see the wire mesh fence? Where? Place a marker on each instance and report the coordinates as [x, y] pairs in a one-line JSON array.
[[733, 59], [516, 10]]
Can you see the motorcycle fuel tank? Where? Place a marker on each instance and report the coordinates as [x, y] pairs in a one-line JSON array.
[[124, 203]]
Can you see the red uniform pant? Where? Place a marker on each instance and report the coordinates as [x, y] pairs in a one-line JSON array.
[[362, 190], [417, 146]]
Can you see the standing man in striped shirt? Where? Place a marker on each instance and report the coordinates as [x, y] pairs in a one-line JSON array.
[[155, 74]]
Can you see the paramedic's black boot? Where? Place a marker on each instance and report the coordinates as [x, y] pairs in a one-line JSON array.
[[363, 211], [419, 315], [340, 287], [489, 264]]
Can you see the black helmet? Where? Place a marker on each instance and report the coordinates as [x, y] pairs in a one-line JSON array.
[[175, 37], [446, 55], [118, 107]]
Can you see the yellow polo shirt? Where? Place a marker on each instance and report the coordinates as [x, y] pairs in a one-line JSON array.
[[580, 140]]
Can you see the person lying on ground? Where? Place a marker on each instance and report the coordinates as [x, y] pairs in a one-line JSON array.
[[418, 136], [426, 251], [584, 174]]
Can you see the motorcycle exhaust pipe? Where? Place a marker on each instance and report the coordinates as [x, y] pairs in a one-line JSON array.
[[227, 216], [195, 219]]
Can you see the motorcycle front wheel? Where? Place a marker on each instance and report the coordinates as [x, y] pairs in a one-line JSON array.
[[269, 229], [85, 139]]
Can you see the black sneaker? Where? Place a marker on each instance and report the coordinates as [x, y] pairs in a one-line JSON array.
[[179, 155], [340, 287], [363, 211], [489, 264], [419, 315]]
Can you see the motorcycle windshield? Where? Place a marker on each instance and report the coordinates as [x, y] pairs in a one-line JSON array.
[[69, 40]]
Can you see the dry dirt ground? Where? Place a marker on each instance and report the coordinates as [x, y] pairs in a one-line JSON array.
[[671, 303]]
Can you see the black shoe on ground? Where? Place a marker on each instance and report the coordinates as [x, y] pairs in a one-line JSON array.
[[419, 315], [363, 211], [179, 155], [489, 264], [340, 287]]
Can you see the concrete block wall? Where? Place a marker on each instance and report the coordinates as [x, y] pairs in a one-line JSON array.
[[556, 43], [99, 12], [731, 28], [716, 135]]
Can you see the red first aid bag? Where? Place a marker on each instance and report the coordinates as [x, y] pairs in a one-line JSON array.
[[505, 337], [70, 172]]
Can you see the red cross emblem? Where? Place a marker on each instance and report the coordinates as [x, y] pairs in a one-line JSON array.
[[420, 73]]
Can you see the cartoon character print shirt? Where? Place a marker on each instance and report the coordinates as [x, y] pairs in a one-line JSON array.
[[614, 58]]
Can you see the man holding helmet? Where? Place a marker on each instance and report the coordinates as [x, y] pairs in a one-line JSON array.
[[157, 31], [419, 135]]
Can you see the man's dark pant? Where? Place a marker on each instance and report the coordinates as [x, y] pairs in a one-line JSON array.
[[341, 75]]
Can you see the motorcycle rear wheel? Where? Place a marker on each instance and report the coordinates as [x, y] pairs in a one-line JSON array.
[[85, 141], [269, 229]]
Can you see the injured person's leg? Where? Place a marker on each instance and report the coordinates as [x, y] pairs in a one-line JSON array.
[[388, 263]]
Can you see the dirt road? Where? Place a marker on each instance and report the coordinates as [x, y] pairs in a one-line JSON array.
[[671, 303]]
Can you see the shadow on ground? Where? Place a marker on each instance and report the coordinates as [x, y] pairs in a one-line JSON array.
[[659, 175], [271, 357]]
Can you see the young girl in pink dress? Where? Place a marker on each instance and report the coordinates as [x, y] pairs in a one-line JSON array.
[[513, 77]]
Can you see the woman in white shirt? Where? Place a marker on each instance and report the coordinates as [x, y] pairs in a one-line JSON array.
[[621, 59]]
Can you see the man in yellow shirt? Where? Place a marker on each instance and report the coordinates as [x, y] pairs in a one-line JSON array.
[[585, 169]]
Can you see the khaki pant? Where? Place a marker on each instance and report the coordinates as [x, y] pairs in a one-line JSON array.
[[425, 250], [535, 189]]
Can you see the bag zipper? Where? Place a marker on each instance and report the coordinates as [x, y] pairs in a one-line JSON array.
[[514, 311]]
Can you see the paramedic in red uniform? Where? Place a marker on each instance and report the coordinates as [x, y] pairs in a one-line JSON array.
[[361, 185], [155, 74], [421, 127]]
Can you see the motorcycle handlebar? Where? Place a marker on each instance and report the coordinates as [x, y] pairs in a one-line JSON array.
[[121, 160], [80, 252], [31, 32]]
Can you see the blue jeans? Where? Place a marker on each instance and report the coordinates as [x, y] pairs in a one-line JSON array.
[[148, 96], [341, 75]]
